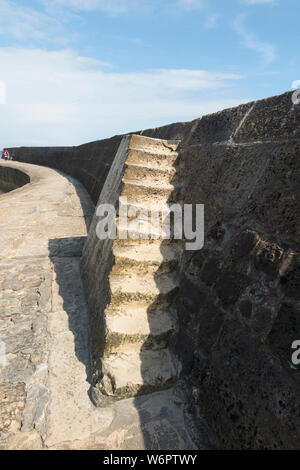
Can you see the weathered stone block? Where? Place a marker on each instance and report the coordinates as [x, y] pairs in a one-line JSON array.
[[244, 410], [246, 308], [217, 232], [290, 280], [267, 257], [191, 294], [243, 244], [12, 399], [210, 320], [285, 330], [211, 271], [230, 285], [261, 318]]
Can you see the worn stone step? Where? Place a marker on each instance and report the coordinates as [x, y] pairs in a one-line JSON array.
[[150, 254], [140, 172], [147, 286], [140, 191], [149, 185], [137, 305], [141, 232], [141, 241], [144, 259], [159, 145], [152, 158], [137, 327], [127, 265], [145, 209], [136, 372]]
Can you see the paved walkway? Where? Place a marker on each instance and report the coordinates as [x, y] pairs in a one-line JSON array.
[[44, 380]]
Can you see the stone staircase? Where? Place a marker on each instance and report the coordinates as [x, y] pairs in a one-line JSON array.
[[140, 316]]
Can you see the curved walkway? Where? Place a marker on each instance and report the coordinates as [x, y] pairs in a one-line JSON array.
[[44, 373], [43, 226]]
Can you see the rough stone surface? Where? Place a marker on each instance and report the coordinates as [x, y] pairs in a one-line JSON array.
[[45, 376], [238, 299], [127, 363], [243, 287]]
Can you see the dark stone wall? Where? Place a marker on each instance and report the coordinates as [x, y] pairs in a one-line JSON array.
[[89, 163], [239, 298], [239, 301], [11, 178], [270, 119]]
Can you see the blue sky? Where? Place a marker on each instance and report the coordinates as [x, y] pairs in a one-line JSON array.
[[73, 71]]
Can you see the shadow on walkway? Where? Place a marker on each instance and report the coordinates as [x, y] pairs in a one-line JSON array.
[[65, 254]]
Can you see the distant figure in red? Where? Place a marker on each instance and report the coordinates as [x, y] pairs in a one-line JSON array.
[[5, 155]]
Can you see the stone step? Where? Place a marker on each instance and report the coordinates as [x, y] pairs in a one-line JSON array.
[[146, 208], [140, 172], [143, 269], [144, 259], [140, 321], [126, 287], [158, 145], [142, 232], [150, 221], [137, 327], [139, 305], [136, 372], [150, 254], [152, 158], [140, 191]]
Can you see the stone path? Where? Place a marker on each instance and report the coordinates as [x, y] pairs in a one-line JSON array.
[[45, 379], [42, 230]]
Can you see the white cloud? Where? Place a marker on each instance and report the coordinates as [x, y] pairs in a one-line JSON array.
[[191, 4], [2, 92], [60, 98], [124, 6], [296, 84], [250, 41], [110, 6], [20, 21], [23, 23]]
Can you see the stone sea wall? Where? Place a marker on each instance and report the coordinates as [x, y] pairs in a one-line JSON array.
[[90, 163], [11, 178], [239, 296], [238, 300]]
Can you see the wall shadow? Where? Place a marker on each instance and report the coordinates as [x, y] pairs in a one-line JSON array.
[[161, 421], [65, 254]]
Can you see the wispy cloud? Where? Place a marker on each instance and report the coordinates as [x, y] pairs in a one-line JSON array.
[[211, 21], [257, 2], [69, 99], [2, 92], [296, 84], [23, 23], [109, 6], [250, 41], [191, 4], [210, 18]]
